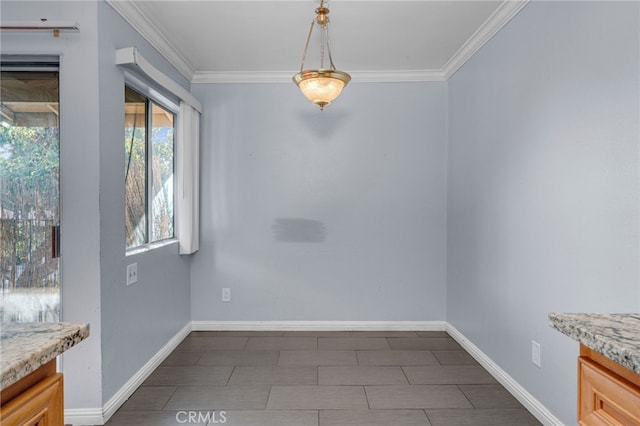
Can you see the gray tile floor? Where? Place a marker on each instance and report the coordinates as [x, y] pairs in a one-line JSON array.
[[321, 379]]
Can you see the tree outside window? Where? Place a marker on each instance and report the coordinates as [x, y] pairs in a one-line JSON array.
[[149, 170]]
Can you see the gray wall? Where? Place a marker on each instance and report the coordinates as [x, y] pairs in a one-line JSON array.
[[128, 324], [342, 214], [543, 186], [322, 215], [79, 151], [137, 321]]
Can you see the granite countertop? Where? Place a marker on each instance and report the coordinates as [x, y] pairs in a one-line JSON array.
[[616, 336], [25, 347]]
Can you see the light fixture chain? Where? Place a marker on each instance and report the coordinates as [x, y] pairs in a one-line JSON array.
[[326, 30], [321, 86], [323, 42], [306, 46]]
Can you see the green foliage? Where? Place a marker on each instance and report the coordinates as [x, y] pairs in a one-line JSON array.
[[29, 157], [29, 194]]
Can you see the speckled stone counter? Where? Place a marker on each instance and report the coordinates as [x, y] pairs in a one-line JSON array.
[[616, 336], [25, 347]]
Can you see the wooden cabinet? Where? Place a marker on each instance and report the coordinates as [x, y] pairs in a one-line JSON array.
[[35, 400], [608, 394]]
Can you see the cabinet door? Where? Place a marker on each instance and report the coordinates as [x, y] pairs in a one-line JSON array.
[[606, 399], [40, 405]]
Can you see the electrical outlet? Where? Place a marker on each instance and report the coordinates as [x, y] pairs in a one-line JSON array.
[[226, 295], [132, 273], [536, 353]]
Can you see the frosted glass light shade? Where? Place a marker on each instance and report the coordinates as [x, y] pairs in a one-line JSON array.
[[321, 86]]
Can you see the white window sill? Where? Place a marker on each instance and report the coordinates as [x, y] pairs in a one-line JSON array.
[[151, 246]]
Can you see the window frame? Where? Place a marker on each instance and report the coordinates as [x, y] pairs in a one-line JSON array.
[[153, 97]]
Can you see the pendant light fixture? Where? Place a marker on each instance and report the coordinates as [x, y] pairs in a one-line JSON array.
[[321, 86]]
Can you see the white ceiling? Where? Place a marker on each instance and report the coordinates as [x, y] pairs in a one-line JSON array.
[[258, 40]]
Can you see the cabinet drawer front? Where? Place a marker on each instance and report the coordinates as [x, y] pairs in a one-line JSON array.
[[606, 398], [42, 404]]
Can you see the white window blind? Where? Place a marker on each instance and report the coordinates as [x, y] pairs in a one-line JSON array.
[[188, 171]]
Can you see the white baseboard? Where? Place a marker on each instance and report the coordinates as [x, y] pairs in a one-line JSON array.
[[318, 325], [83, 416], [530, 403], [99, 416]]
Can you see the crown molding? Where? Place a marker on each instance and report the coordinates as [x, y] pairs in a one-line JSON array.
[[208, 77], [397, 76], [242, 77], [498, 19], [134, 16]]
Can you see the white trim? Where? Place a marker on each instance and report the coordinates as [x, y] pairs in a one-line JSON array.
[[133, 59], [150, 246], [520, 393], [242, 77], [99, 416], [187, 200], [120, 397], [498, 19], [399, 76], [134, 16], [83, 416], [318, 325]]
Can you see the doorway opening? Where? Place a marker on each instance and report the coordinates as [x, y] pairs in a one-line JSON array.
[[29, 192]]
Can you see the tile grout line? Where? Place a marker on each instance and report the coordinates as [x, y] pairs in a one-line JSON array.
[[466, 397], [200, 357], [266, 404], [405, 374], [435, 357], [427, 415], [229, 378], [169, 399], [366, 396], [371, 412]]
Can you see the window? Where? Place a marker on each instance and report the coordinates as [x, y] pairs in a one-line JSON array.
[[29, 190], [149, 170]]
